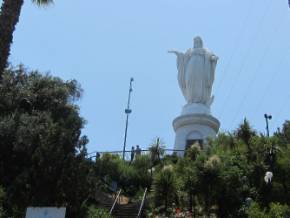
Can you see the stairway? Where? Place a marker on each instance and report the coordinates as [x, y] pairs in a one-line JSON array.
[[129, 210], [123, 207], [104, 200]]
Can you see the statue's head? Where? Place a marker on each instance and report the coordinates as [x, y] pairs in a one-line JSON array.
[[197, 42]]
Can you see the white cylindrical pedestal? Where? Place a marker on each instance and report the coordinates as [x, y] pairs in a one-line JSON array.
[[192, 128]]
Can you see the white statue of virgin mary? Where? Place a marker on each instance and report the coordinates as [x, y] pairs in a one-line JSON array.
[[196, 69]]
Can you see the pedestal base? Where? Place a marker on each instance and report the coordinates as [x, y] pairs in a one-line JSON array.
[[194, 128]]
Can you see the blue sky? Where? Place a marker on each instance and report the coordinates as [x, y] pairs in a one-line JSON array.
[[104, 43]]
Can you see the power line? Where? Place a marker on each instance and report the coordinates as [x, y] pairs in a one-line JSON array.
[[237, 43], [273, 77], [254, 77], [254, 38], [282, 109]]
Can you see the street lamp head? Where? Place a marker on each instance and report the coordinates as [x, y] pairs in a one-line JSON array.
[[128, 111], [268, 177], [270, 117], [249, 201], [132, 79]]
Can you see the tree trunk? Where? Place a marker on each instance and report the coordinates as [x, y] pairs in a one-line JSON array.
[[9, 17]]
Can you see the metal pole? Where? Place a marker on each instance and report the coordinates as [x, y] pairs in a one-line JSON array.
[[272, 151], [127, 111], [267, 117]]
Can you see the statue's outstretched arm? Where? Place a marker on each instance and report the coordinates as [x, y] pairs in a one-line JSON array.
[[175, 52], [179, 60]]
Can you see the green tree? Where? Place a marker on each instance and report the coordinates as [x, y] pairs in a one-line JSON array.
[[281, 189], [245, 133], [142, 167], [284, 135], [276, 210], [193, 151], [234, 187], [256, 212], [188, 172], [42, 158], [9, 17], [165, 187], [209, 184]]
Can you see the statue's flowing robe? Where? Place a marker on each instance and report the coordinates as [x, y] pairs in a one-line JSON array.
[[196, 75], [181, 74]]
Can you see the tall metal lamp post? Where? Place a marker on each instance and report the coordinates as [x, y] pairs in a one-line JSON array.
[[269, 174], [127, 111]]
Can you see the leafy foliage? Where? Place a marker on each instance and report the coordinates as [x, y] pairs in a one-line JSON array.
[[43, 161], [129, 177], [156, 150], [219, 179], [94, 212], [42, 152], [165, 187], [276, 210]]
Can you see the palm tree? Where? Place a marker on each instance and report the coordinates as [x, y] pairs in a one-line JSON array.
[[9, 17], [156, 151]]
